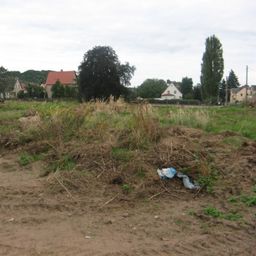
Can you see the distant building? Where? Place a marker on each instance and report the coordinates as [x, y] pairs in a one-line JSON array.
[[239, 94], [171, 93], [66, 78], [18, 87]]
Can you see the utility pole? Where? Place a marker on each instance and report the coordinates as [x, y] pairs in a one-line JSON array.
[[246, 85]]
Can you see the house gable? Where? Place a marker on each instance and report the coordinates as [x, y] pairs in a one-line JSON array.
[[66, 78], [171, 93]]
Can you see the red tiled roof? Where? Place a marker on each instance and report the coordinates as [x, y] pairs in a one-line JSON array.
[[65, 77]]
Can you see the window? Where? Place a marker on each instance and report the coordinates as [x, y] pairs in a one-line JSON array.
[[175, 92], [241, 95]]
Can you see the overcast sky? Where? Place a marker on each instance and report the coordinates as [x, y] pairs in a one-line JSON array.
[[162, 38]]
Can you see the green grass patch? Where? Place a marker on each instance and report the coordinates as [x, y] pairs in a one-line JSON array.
[[248, 200], [208, 181], [26, 158], [65, 163], [215, 213], [126, 188]]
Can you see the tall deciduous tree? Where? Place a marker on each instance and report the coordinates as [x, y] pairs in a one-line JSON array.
[[187, 88], [101, 74], [212, 68], [152, 88]]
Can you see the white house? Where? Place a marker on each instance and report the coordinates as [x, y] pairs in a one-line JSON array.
[[171, 93], [18, 86]]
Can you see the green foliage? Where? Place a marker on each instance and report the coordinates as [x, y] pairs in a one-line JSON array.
[[34, 76], [35, 91], [151, 88], [187, 88], [26, 158], [232, 80], [58, 90], [208, 181], [233, 216], [61, 91], [6, 81], [101, 74], [212, 69], [215, 213], [64, 163], [248, 200], [126, 188], [197, 92]]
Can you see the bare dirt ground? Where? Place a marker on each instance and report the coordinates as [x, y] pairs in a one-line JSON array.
[[36, 221]]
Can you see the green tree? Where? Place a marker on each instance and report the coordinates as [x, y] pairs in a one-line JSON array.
[[6, 82], [197, 92], [151, 88], [222, 91], [101, 74], [212, 69], [232, 80], [58, 90], [187, 88]]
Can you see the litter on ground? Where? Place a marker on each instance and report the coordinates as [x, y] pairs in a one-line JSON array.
[[169, 173]]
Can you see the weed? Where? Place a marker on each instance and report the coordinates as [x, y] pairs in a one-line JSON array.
[[249, 200], [232, 216], [26, 158], [126, 188], [64, 163], [213, 212], [208, 181], [234, 199]]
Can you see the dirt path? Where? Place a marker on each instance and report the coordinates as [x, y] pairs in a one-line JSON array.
[[36, 222]]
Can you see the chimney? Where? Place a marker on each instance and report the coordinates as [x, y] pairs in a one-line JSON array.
[[61, 70]]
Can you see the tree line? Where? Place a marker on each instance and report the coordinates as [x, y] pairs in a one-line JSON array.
[[101, 75]]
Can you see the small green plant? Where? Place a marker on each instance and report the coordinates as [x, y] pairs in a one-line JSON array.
[[208, 181], [126, 188], [254, 189], [26, 158], [233, 216], [213, 212], [249, 200], [65, 163], [234, 199]]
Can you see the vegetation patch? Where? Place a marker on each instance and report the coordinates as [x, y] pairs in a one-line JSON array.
[[248, 200], [26, 158], [215, 213]]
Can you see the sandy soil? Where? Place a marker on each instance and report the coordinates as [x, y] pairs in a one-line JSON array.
[[35, 221]]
